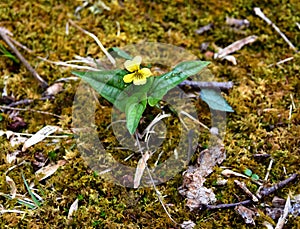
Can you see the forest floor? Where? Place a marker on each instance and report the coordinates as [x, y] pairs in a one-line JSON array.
[[264, 127]]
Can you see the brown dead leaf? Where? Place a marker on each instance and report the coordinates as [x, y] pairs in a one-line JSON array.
[[39, 136], [246, 213], [188, 224], [49, 170], [194, 178], [12, 186], [235, 46], [73, 209], [209, 158], [16, 124], [17, 140], [54, 89], [12, 157], [140, 169]]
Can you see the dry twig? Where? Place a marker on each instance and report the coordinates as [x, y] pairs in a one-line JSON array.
[[23, 109], [110, 58], [235, 46], [4, 33], [28, 101], [264, 192], [197, 85], [222, 206], [281, 61], [267, 191], [259, 13]]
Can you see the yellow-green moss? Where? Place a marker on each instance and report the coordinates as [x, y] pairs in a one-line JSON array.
[[261, 100]]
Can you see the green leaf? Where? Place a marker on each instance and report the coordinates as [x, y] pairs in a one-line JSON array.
[[135, 108], [255, 177], [6, 53], [162, 84], [190, 67], [136, 91], [248, 172], [23, 202], [116, 52], [109, 83], [37, 203], [214, 100], [133, 100]]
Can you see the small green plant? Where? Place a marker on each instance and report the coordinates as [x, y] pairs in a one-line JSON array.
[[6, 53], [133, 88], [249, 173]]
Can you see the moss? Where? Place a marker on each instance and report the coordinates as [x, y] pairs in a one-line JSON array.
[[261, 99]]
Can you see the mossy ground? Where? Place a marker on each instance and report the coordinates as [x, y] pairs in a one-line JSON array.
[[261, 99]]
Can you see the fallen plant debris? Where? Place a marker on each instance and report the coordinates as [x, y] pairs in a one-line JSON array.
[[194, 177], [5, 34], [222, 53], [264, 125], [247, 214], [204, 28], [263, 193], [259, 13], [238, 23]]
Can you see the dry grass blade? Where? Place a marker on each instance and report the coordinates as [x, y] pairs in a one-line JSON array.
[[152, 124], [12, 186], [73, 209], [39, 136], [110, 58], [49, 170], [286, 210], [35, 200], [243, 186], [66, 64], [154, 186], [259, 13], [235, 46], [140, 169]]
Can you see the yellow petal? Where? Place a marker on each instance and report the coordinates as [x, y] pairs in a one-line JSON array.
[[139, 81], [145, 72], [128, 78], [134, 64]]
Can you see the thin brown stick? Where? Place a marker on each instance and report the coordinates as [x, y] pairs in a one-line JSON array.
[[110, 58], [262, 193], [281, 62], [267, 191], [259, 13], [7, 39], [222, 206], [32, 110], [28, 101], [197, 85]]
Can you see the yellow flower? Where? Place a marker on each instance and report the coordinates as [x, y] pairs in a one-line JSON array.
[[138, 76]]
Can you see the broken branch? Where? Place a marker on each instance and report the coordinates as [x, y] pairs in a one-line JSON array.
[[267, 191], [222, 206], [262, 193], [198, 85]]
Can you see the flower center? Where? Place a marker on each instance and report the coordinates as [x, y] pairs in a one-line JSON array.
[[138, 75]]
